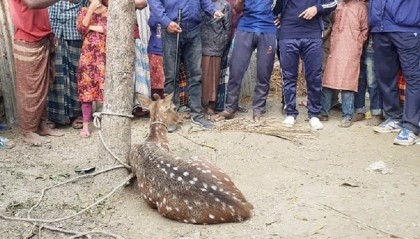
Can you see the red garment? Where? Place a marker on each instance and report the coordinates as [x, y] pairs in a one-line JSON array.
[[31, 25], [91, 74]]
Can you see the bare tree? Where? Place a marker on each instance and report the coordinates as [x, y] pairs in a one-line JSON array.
[[118, 95]]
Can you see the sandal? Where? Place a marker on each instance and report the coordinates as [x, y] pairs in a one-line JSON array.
[[224, 115], [303, 103], [345, 123], [323, 117], [77, 123]]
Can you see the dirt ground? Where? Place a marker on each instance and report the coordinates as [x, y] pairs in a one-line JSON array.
[[315, 187]]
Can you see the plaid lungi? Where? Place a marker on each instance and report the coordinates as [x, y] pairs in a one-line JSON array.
[[401, 86]]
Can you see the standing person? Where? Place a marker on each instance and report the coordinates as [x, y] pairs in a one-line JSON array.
[[396, 42], [141, 65], [33, 48], [189, 47], [368, 81], [215, 39], [154, 52], [255, 30], [63, 105], [91, 24], [349, 33], [300, 35]]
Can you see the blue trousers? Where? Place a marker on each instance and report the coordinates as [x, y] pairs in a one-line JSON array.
[[190, 49], [393, 50], [311, 52], [244, 44], [367, 80]]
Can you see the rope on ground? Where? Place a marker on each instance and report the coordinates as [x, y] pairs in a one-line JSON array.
[[393, 235], [97, 116]]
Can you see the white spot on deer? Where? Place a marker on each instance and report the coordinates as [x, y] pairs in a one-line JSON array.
[[214, 187], [195, 179], [150, 199], [161, 162], [198, 168], [217, 199], [197, 203], [211, 216], [205, 185], [175, 168], [179, 179], [190, 208], [226, 179], [158, 165], [186, 201], [221, 189], [203, 189], [141, 185], [171, 175], [185, 220], [144, 196], [186, 174], [193, 220], [177, 209], [164, 200], [168, 165], [192, 182], [174, 197], [222, 219], [166, 189], [214, 176], [168, 208]]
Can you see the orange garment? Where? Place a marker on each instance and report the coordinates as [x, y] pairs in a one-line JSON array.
[[31, 25], [91, 73], [349, 32]]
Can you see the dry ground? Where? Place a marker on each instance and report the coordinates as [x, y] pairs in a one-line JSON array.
[[317, 187]]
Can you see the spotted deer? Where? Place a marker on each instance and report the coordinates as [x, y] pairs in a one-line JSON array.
[[187, 190]]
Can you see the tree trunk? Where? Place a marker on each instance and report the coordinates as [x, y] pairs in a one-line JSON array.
[[118, 95], [7, 70]]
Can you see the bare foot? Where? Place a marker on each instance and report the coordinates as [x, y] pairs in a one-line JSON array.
[[45, 130], [34, 139], [84, 133], [374, 121]]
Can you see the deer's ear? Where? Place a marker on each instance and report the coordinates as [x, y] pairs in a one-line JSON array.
[[168, 98], [144, 101]]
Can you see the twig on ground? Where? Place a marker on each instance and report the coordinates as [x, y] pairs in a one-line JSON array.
[[201, 144], [126, 181], [363, 223]]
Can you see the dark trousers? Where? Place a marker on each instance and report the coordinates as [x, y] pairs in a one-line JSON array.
[[311, 52], [190, 49], [392, 51], [244, 44]]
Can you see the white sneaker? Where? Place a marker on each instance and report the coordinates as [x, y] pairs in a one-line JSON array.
[[289, 121], [315, 123]]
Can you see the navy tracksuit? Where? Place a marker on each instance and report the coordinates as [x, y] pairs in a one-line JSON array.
[[396, 41], [298, 37]]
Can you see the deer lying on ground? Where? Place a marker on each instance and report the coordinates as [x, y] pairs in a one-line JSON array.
[[187, 190]]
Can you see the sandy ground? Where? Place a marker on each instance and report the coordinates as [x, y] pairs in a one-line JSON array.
[[316, 187]]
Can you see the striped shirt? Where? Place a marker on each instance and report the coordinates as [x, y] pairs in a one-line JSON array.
[[63, 15]]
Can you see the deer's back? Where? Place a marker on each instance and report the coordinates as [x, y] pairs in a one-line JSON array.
[[192, 190]]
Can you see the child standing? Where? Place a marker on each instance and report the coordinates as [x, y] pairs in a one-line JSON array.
[[91, 24], [349, 32], [154, 52]]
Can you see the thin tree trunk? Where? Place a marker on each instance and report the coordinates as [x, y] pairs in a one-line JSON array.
[[118, 97], [7, 70]]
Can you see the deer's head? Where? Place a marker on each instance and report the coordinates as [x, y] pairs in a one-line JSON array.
[[161, 110]]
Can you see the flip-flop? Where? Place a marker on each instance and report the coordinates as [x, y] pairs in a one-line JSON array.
[[222, 116], [77, 123], [138, 111]]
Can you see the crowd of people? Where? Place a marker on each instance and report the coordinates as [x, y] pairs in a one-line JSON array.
[[346, 49]]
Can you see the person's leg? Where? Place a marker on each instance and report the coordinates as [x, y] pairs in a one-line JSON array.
[[408, 45], [375, 97], [326, 96], [289, 61], [87, 118], [312, 59], [157, 76], [241, 54], [360, 95], [169, 45], [347, 99], [266, 50], [386, 65]]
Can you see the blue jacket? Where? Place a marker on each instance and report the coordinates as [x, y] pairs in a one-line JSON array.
[[154, 46], [394, 15], [167, 11], [295, 27]]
